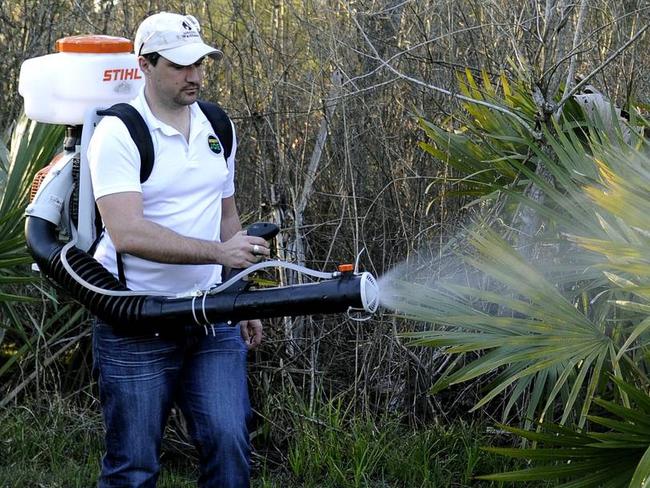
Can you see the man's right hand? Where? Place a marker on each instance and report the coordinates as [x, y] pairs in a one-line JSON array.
[[242, 251]]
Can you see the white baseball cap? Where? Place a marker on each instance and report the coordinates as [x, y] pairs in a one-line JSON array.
[[175, 37]]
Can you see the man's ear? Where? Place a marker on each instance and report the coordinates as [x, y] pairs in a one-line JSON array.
[[145, 65]]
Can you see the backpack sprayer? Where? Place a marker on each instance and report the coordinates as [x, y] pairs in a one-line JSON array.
[[62, 223]]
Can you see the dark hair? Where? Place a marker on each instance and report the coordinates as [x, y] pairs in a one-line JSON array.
[[152, 58]]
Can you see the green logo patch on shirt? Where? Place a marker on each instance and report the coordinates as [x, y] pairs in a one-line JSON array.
[[214, 144]]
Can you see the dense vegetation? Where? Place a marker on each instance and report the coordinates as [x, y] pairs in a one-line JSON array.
[[475, 143]]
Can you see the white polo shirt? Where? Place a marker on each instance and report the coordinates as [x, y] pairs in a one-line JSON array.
[[183, 192]]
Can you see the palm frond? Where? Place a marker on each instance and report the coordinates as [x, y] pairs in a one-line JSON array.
[[616, 457]]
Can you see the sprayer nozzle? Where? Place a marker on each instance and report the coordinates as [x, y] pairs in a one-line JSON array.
[[369, 290]]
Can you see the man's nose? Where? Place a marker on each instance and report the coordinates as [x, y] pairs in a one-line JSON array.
[[193, 73]]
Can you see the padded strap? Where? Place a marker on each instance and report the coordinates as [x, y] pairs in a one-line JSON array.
[[141, 136], [139, 133]]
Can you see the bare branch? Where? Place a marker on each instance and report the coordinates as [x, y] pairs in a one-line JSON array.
[[576, 41], [458, 96], [602, 66], [412, 48]]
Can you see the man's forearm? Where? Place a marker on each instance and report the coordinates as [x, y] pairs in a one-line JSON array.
[[133, 234], [155, 242]]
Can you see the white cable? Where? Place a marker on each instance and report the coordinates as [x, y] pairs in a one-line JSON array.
[[194, 311], [356, 262], [357, 319], [205, 325], [96, 289], [205, 316], [219, 289], [272, 264]]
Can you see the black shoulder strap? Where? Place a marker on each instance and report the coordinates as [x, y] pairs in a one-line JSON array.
[[220, 123], [141, 136], [139, 133]]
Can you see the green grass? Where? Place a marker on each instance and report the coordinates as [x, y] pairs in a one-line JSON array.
[[58, 445], [332, 451]]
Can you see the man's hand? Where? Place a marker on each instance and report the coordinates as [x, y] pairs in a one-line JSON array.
[[242, 251], [251, 331]]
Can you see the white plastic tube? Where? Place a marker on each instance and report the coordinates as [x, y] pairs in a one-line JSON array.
[[218, 289]]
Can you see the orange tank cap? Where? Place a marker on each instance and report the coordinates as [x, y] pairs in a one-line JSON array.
[[94, 44], [346, 268]]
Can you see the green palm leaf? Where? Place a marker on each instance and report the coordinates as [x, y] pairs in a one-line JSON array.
[[616, 457], [32, 146]]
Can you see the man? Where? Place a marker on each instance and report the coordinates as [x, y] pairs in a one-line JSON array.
[[173, 232]]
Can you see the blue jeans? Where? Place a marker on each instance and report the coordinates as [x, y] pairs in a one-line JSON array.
[[140, 377]]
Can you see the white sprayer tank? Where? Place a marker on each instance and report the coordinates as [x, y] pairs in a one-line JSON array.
[[85, 72]]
